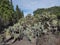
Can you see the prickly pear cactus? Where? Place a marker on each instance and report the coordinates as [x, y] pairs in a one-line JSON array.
[[7, 34]]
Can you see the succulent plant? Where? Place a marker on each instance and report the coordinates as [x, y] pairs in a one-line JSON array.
[[31, 27]]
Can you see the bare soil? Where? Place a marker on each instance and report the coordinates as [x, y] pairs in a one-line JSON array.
[[44, 40], [24, 42]]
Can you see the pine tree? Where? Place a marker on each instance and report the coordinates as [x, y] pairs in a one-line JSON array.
[[6, 12], [19, 13], [11, 2]]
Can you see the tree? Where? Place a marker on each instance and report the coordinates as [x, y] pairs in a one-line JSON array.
[[6, 12], [52, 10], [19, 13], [1, 24]]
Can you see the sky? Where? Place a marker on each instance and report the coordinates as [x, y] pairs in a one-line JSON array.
[[28, 6]]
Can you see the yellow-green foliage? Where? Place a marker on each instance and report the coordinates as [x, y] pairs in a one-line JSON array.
[[54, 22], [1, 38], [7, 33], [32, 26], [16, 36], [29, 34]]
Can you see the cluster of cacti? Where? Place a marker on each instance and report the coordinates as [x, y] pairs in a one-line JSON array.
[[1, 38], [32, 28]]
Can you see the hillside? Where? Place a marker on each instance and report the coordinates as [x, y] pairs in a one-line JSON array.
[[41, 28], [53, 10]]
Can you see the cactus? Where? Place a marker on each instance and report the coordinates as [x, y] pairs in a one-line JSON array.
[[31, 29], [7, 33], [1, 38], [29, 34]]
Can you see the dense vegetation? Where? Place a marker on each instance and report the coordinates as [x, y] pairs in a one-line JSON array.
[[8, 16], [53, 10], [16, 26]]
